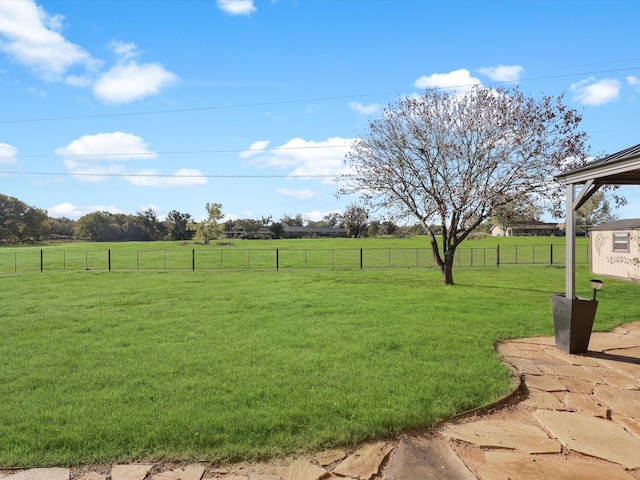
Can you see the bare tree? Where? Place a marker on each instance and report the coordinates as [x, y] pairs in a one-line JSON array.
[[356, 220], [450, 160], [595, 211], [514, 213]]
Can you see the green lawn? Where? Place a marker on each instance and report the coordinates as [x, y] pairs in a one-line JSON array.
[[227, 365], [283, 254]]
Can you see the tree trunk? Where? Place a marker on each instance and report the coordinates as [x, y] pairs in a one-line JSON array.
[[447, 270], [444, 264]]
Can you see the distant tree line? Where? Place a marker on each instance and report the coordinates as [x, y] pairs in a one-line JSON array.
[[21, 223]]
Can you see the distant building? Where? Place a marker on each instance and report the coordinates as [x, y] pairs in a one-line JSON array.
[[313, 232], [615, 249], [263, 233], [535, 229]]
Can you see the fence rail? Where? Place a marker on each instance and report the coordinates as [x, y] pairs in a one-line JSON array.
[[227, 258]]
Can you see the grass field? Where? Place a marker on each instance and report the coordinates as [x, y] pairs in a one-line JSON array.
[[283, 254], [221, 366]]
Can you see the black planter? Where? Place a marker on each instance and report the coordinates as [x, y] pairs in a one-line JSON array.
[[573, 322]]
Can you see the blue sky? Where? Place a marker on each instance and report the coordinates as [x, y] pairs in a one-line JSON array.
[[122, 105]]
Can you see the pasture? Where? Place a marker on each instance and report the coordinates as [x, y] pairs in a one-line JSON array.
[[283, 254], [222, 366]]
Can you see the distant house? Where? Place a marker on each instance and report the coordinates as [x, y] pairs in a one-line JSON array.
[[263, 233], [313, 232], [534, 229], [615, 249]]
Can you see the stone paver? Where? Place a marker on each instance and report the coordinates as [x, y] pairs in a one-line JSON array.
[[538, 399], [302, 470], [547, 384], [615, 378], [130, 472], [593, 436], [41, 474], [536, 342], [627, 401], [191, 472], [503, 434], [524, 366], [417, 458], [623, 361], [573, 371], [506, 466], [629, 424], [601, 342], [93, 476], [328, 457], [577, 386], [264, 476], [363, 463], [582, 404]]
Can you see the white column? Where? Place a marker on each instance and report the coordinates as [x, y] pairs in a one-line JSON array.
[[570, 231]]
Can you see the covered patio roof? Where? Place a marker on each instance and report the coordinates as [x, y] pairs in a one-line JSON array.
[[621, 168]]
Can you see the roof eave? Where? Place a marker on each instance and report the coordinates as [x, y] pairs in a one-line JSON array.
[[600, 171]]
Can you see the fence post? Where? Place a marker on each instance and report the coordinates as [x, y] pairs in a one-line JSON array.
[[361, 259], [193, 260], [41, 260], [498, 256], [109, 257], [551, 254], [277, 259]]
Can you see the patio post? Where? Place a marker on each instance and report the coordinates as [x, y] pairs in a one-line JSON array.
[[570, 227]]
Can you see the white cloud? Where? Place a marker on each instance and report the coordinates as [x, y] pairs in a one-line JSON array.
[[183, 178], [502, 73], [93, 157], [255, 149], [634, 82], [124, 51], [132, 81], [79, 80], [458, 80], [32, 38], [114, 146], [8, 154], [93, 173], [76, 211], [594, 93], [297, 194], [237, 7], [364, 109], [307, 158], [317, 215]]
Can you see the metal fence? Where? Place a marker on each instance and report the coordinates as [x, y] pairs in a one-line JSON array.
[[228, 258]]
